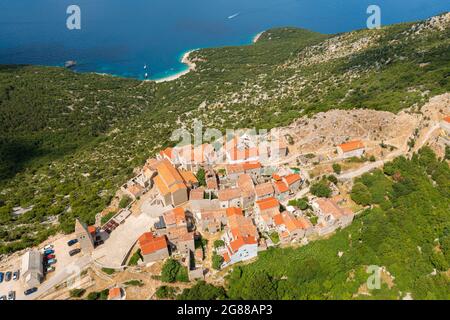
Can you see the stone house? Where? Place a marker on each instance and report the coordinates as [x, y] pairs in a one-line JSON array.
[[230, 197], [153, 248], [351, 149]]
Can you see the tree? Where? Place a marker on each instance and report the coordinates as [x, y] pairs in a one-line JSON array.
[[259, 287], [321, 189], [361, 194], [165, 292], [447, 152], [170, 270], [217, 261], [218, 243], [201, 177], [135, 258], [93, 296], [77, 293], [124, 202], [202, 291], [337, 168], [332, 178]]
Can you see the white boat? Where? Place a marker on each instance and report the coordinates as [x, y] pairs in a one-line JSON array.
[[234, 15], [145, 66], [146, 75], [70, 64]]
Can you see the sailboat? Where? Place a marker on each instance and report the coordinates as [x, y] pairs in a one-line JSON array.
[[146, 75], [145, 66]]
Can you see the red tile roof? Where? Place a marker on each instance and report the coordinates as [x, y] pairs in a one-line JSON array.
[[276, 177], [176, 216], [229, 194], [447, 119], [351, 145], [328, 206], [234, 211], [245, 182], [264, 189], [268, 203], [148, 243], [196, 194], [168, 152], [168, 179], [188, 177], [278, 219], [281, 187], [251, 165], [114, 293], [241, 241], [243, 154], [292, 178]]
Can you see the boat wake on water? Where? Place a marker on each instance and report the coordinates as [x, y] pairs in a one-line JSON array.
[[234, 15]]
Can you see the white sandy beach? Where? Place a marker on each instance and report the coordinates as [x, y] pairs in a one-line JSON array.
[[185, 60], [255, 38], [191, 65]]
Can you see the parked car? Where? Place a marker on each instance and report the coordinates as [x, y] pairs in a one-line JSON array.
[[16, 275], [8, 276], [12, 295], [47, 252], [3, 298], [49, 246], [72, 242], [74, 252], [30, 291], [2, 275], [51, 256], [50, 269], [51, 261]]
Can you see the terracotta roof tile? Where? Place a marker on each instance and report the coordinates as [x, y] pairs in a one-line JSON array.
[[276, 177], [176, 216], [168, 152], [351, 145], [234, 211], [148, 243], [196, 194], [169, 176], [245, 182], [241, 241], [268, 203], [114, 293], [264, 189], [328, 206], [229, 194], [188, 177], [281, 187], [292, 178]]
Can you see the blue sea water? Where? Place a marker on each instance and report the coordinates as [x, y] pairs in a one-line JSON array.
[[119, 37]]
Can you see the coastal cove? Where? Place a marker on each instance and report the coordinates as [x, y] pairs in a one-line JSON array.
[[120, 40]]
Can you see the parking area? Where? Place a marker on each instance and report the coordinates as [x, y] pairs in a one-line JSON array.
[[11, 285], [116, 248], [60, 254]]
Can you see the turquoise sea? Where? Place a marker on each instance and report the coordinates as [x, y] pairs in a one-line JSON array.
[[119, 37]]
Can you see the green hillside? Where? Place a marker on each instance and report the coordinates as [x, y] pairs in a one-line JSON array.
[[68, 140]]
